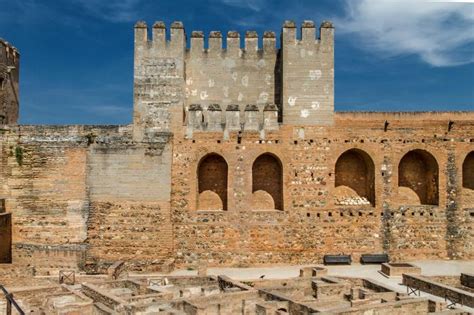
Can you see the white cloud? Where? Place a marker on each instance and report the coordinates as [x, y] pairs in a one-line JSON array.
[[442, 34]]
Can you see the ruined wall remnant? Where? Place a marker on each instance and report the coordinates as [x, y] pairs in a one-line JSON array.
[[5, 238], [9, 83]]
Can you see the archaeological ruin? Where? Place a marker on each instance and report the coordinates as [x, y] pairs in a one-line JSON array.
[[236, 158]]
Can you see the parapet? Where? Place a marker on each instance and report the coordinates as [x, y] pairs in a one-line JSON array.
[[212, 118], [197, 43], [308, 32]]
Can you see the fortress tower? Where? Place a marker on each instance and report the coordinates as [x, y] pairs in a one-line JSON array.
[[232, 88], [9, 75]]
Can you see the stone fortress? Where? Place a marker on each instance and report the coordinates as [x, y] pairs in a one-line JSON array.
[[235, 157]]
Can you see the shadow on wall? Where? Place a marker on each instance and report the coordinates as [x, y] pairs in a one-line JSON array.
[[212, 183], [468, 171], [267, 183], [418, 175], [355, 179]]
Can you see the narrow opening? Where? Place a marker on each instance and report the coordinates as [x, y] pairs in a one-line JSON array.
[[5, 238]]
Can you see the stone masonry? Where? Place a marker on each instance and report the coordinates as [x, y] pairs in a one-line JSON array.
[[235, 157]]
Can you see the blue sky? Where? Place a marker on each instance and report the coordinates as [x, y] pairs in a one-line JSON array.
[[77, 55]]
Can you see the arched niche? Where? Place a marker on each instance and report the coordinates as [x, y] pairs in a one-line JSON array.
[[267, 177], [212, 182], [418, 171], [355, 172]]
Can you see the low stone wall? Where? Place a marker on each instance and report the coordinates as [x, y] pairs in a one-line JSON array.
[[412, 307], [467, 279], [398, 269], [439, 289]]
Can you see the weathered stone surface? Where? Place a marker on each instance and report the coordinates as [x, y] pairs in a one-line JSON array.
[[281, 188]]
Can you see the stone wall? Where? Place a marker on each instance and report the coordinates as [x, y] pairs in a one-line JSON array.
[[87, 195], [92, 195], [232, 75], [312, 223], [308, 74]]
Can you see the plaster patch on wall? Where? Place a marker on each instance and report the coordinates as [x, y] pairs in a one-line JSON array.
[[225, 89], [203, 95], [315, 105], [263, 96], [211, 82], [229, 63], [302, 52], [261, 63], [189, 81], [194, 92], [240, 97], [304, 113], [234, 76], [315, 74], [268, 79], [245, 80], [292, 100]]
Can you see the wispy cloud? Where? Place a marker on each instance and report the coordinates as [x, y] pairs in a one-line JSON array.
[[441, 34], [112, 10], [106, 110], [254, 5]]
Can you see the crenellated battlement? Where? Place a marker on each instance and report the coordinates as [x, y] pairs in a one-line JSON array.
[[216, 42], [170, 76], [307, 34]]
